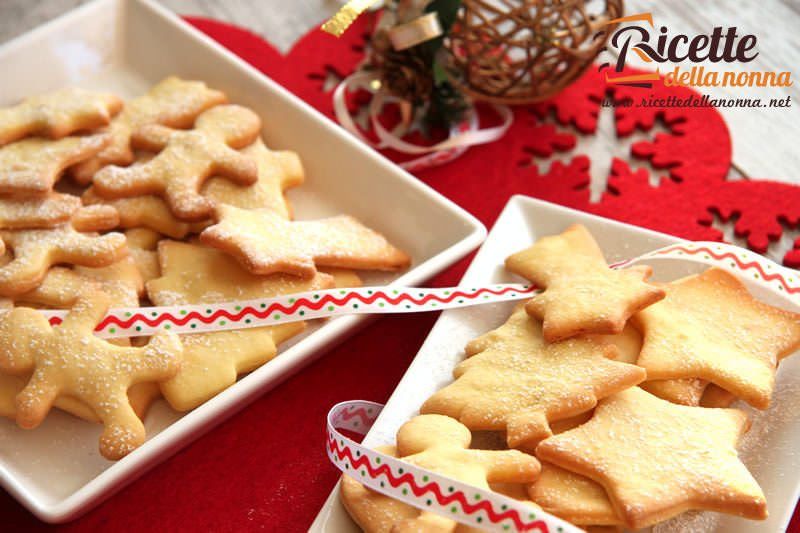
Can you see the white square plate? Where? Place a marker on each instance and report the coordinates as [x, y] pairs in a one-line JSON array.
[[768, 450], [126, 46]]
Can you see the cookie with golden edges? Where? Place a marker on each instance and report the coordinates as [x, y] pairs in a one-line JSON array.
[[61, 289], [581, 293], [57, 114], [266, 243], [514, 380], [710, 327], [186, 158], [656, 459], [36, 250], [193, 274], [47, 211], [439, 444], [682, 391], [31, 167], [142, 244], [172, 102], [576, 499], [277, 172], [69, 360], [715, 396]]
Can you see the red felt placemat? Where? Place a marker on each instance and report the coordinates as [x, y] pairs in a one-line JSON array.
[[265, 468]]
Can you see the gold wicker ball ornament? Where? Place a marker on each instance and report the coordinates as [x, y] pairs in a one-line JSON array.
[[516, 52]]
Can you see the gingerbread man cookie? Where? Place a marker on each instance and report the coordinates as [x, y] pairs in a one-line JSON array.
[[173, 102], [186, 159], [440, 444], [70, 360], [32, 166], [35, 251]]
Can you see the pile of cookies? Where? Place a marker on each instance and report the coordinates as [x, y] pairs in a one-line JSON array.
[[200, 202], [604, 400]]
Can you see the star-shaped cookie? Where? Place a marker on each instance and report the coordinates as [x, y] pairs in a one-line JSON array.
[[710, 327], [515, 381], [186, 159], [32, 166], [193, 274], [172, 102], [57, 114], [581, 293], [265, 243], [277, 171], [440, 444], [657, 459], [574, 498], [69, 360]]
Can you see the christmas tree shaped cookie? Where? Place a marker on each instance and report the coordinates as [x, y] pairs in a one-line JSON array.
[[515, 381]]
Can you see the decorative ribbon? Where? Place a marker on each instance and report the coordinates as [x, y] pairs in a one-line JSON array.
[[202, 318], [346, 15], [462, 136], [422, 488], [426, 490], [415, 32]]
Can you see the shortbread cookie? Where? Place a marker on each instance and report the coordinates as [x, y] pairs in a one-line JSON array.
[[142, 245], [343, 278], [710, 327], [581, 293], [514, 380], [657, 459], [40, 212], [186, 159], [439, 444], [277, 171], [121, 281], [193, 274], [682, 391], [57, 114], [32, 166], [35, 251], [574, 498], [60, 289], [70, 360], [148, 211], [266, 243], [95, 218], [377, 513], [173, 102], [372, 511], [715, 396]]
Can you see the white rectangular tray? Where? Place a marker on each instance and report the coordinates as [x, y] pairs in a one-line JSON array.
[[126, 46], [769, 449]]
